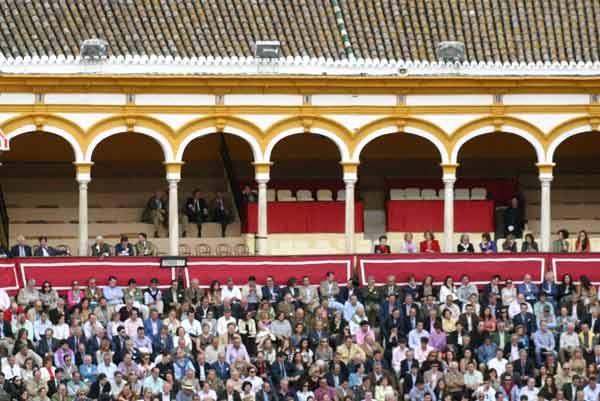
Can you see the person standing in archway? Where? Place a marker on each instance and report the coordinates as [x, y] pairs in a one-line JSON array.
[[514, 220], [196, 210]]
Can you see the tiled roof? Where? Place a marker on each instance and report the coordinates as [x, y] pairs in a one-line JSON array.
[[506, 31]]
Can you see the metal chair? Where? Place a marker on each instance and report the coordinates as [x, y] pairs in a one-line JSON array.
[[203, 250], [241, 250], [185, 250], [224, 250]]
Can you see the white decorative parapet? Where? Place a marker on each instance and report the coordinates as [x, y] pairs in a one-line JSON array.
[[160, 65]]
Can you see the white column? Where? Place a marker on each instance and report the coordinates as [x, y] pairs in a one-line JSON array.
[[83, 179], [449, 180], [545, 212], [262, 232], [350, 180], [173, 215]]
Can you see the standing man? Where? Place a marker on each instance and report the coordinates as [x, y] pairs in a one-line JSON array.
[[221, 212], [514, 219], [155, 212], [196, 210]]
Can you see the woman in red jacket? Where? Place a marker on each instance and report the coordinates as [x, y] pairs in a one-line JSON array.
[[430, 244]]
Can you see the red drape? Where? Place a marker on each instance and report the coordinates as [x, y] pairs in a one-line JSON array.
[[304, 217], [423, 215]]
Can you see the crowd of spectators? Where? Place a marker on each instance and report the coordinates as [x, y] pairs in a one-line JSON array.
[[303, 342], [487, 244]]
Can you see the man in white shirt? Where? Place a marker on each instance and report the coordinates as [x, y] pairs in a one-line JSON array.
[[498, 363], [487, 391], [230, 292], [224, 320], [191, 325], [414, 337], [530, 391], [515, 306], [107, 366], [592, 390], [11, 369]]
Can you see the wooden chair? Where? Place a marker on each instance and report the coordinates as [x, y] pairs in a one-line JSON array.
[[203, 250], [185, 250], [241, 250], [224, 250]]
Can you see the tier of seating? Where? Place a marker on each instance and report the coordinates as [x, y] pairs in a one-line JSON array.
[[304, 195], [50, 208], [575, 203], [433, 194]]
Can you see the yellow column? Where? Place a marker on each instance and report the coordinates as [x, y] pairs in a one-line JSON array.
[[350, 179], [449, 178], [262, 173], [83, 177], [173, 174], [546, 177]]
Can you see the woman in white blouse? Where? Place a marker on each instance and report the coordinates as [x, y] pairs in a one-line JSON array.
[[61, 329], [447, 289], [508, 293]]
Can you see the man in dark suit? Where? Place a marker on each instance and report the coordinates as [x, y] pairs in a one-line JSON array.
[[124, 248], [93, 343], [280, 368], [571, 389], [221, 367], [228, 392], [21, 249], [350, 289], [4, 253], [44, 250], [469, 319], [336, 376], [173, 296], [408, 363], [525, 319], [47, 343], [203, 309], [196, 210], [266, 393], [221, 212], [390, 288], [524, 366], [119, 344], [54, 384], [270, 291], [410, 379]]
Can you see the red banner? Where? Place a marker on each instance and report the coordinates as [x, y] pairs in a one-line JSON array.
[[281, 268], [577, 265], [62, 271], [9, 280], [480, 267]]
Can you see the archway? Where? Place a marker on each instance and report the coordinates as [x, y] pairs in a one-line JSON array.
[[575, 193], [496, 167], [216, 163], [390, 164], [127, 171], [38, 182]]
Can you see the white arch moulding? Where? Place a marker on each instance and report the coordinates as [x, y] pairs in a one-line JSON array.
[[538, 147], [408, 130], [563, 137], [162, 141], [77, 152], [342, 147], [250, 140]]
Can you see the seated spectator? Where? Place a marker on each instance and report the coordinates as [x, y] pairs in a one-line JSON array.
[[465, 246], [408, 246], [509, 244], [383, 246], [561, 244], [100, 248], [487, 245], [529, 245], [124, 248], [44, 250], [583, 242], [144, 247], [429, 244], [4, 253], [20, 250], [249, 195], [156, 212]]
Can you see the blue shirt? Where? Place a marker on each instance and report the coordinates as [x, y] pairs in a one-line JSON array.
[[114, 296], [88, 372]]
